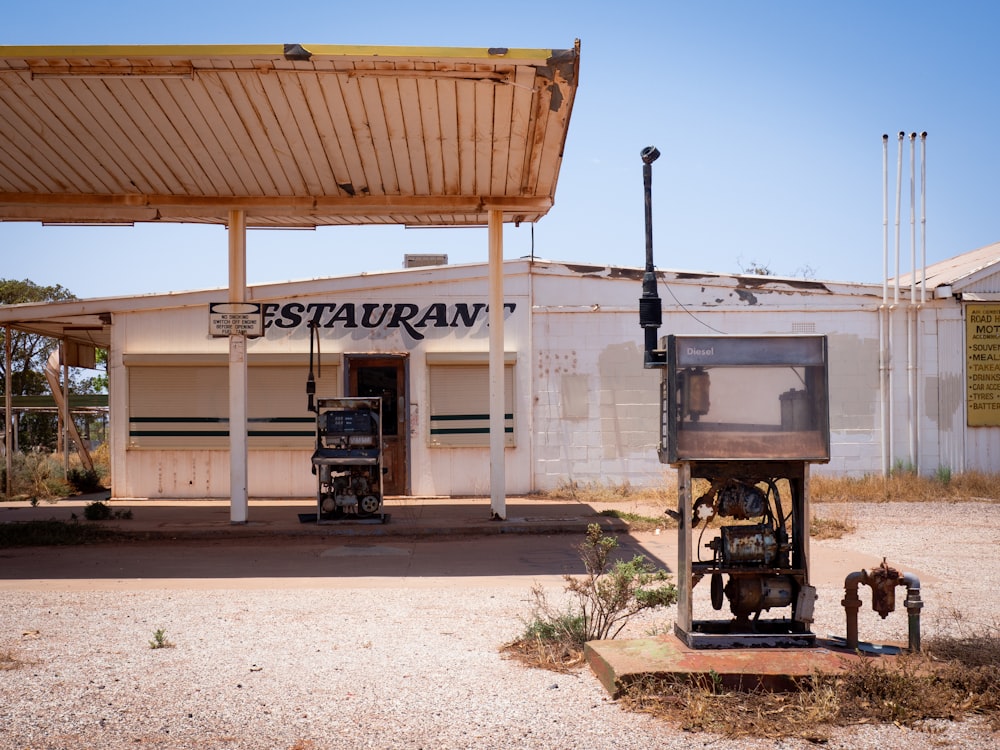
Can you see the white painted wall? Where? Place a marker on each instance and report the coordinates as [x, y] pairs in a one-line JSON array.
[[586, 410]]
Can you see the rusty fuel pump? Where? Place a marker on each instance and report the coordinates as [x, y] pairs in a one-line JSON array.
[[347, 458], [743, 418]]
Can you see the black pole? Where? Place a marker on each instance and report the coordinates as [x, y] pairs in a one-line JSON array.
[[310, 380], [650, 309]]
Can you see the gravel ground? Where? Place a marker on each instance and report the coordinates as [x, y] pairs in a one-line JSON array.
[[408, 664]]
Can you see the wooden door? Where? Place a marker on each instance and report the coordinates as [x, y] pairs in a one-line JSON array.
[[385, 376]]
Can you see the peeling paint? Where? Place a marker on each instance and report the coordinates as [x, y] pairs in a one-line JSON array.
[[594, 271], [757, 282], [686, 276], [555, 97], [746, 296]]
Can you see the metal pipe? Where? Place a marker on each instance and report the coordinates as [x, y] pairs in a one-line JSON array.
[[913, 605], [913, 218], [911, 318], [895, 296], [882, 313], [650, 308], [885, 218], [923, 216], [899, 198], [851, 604]]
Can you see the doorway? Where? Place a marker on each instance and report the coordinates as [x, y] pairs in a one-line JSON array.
[[386, 376]]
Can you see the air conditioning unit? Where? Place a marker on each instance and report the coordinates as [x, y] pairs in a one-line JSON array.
[[417, 260]]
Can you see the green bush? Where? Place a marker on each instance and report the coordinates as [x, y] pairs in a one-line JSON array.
[[612, 592], [38, 474], [604, 600], [84, 481], [99, 511], [96, 511]]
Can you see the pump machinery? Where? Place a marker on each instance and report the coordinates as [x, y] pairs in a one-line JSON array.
[[741, 419], [347, 459]]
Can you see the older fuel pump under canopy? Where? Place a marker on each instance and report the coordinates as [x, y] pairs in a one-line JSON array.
[[347, 459], [741, 418]]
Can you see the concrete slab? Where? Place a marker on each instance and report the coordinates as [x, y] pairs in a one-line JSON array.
[[278, 517], [618, 664]]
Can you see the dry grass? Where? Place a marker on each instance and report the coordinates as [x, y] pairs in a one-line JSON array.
[[640, 522], [610, 492], [10, 661], [542, 653], [905, 486], [899, 486], [839, 522], [907, 692]]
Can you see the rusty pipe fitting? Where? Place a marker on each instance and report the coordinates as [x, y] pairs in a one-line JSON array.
[[882, 581], [913, 604], [852, 603]]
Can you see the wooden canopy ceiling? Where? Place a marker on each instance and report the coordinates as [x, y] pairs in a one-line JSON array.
[[294, 135]]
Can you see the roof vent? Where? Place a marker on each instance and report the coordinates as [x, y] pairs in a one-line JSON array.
[[411, 260]]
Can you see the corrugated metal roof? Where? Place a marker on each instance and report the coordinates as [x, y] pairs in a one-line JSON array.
[[295, 135], [963, 272]]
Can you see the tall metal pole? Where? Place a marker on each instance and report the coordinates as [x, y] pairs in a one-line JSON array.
[[8, 416], [650, 309], [498, 420], [239, 498], [883, 314]]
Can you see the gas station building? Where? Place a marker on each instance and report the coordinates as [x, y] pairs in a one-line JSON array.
[[496, 377], [578, 405]]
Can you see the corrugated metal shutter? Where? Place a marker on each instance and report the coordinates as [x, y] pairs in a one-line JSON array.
[[276, 405], [460, 405], [188, 407]]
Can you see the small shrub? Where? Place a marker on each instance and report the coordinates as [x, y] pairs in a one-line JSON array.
[[612, 592], [100, 511], [84, 480], [903, 467], [38, 474], [160, 639], [97, 511], [943, 474], [605, 599]]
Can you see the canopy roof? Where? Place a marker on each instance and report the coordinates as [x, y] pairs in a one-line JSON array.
[[294, 135]]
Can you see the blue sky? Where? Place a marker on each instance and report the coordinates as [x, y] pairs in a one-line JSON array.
[[769, 116]]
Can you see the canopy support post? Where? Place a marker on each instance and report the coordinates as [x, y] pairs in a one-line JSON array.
[[239, 502], [8, 417], [498, 487]]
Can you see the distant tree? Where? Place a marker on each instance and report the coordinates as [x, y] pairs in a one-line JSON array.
[[755, 267], [806, 272], [94, 383], [29, 352]]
